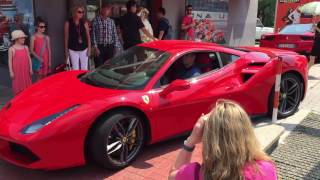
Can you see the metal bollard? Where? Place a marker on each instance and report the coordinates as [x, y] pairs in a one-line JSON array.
[[277, 90]]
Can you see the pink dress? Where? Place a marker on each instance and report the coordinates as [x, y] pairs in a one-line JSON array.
[[38, 44], [21, 70], [267, 172]]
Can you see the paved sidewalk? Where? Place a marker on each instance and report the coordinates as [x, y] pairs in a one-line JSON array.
[[312, 100], [298, 156]]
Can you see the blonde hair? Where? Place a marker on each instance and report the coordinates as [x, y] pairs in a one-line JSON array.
[[143, 13], [75, 8], [229, 143]]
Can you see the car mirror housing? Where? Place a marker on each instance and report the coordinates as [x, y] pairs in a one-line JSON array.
[[177, 85]]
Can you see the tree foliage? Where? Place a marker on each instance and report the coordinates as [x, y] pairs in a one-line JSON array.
[[266, 12]]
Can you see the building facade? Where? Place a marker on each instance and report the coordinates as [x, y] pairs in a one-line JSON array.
[[220, 21]]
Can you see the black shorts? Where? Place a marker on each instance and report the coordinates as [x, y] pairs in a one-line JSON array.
[[316, 47]]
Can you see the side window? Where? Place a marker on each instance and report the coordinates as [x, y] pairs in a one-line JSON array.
[[189, 66], [227, 58]]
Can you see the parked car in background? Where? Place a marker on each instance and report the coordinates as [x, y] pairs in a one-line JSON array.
[[294, 37], [260, 30]]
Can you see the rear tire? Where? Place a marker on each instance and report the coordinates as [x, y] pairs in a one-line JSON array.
[[117, 139], [291, 92]]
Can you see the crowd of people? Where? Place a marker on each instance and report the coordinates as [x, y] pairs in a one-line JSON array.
[[102, 38]]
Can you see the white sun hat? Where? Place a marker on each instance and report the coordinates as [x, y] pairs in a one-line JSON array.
[[16, 34]]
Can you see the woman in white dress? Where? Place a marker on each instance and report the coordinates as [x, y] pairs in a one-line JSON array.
[[144, 14]]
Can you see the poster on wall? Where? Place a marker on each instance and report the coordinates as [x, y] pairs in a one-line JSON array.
[[288, 13], [14, 14], [211, 18]]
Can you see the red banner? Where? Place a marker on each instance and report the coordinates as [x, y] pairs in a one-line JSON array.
[[285, 8]]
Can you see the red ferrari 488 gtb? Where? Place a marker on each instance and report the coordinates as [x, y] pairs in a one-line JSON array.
[[148, 94], [295, 37]]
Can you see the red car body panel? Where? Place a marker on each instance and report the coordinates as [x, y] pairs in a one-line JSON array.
[[61, 144]]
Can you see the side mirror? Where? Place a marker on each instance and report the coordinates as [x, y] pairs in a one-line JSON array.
[[177, 85]]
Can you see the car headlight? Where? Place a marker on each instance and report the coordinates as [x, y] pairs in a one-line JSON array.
[[37, 125]]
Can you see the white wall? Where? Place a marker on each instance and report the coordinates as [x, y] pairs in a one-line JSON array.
[[242, 22], [175, 12]]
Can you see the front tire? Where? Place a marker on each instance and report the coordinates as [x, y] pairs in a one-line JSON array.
[[117, 139], [291, 92]]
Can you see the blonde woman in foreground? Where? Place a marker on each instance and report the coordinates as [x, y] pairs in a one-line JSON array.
[[230, 149]]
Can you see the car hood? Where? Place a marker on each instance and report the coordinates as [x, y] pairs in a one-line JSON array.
[[50, 96]]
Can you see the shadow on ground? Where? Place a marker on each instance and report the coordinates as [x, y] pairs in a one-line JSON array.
[[313, 78]]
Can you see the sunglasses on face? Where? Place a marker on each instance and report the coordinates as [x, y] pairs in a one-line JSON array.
[[189, 9], [42, 27], [80, 12]]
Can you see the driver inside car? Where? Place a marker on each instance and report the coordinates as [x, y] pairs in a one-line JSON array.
[[189, 69]]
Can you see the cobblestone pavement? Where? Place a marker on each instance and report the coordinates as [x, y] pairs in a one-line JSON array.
[[298, 157]]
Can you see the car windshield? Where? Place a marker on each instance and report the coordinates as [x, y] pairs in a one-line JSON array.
[[133, 69], [296, 29]]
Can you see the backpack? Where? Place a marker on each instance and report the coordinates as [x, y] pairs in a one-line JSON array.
[[170, 31]]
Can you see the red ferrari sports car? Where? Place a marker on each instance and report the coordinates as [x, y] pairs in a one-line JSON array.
[[295, 37], [150, 93]]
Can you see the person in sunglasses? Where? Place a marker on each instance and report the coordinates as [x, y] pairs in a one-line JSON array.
[[188, 25], [77, 39], [41, 49]]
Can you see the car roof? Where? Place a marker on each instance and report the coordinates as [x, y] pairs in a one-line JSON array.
[[169, 45]]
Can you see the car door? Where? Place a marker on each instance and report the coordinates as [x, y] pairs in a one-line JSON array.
[[233, 80], [178, 111]]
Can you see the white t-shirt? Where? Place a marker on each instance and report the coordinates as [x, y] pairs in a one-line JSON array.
[[148, 26], [295, 17]]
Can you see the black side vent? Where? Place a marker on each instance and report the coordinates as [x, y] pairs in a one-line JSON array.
[[257, 64], [246, 77], [23, 153]]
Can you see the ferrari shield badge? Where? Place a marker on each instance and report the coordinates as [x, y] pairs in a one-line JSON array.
[[146, 99]]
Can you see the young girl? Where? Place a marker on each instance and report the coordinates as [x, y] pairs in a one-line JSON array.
[[41, 49], [20, 66]]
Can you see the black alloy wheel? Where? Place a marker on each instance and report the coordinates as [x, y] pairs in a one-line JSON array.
[[117, 140], [290, 95]]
